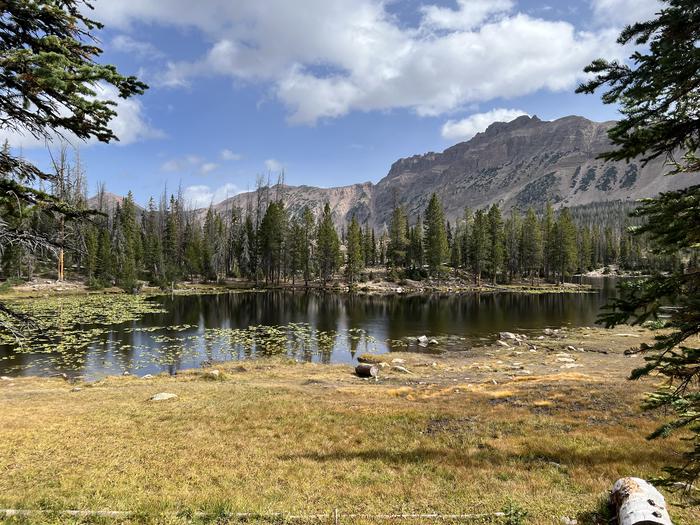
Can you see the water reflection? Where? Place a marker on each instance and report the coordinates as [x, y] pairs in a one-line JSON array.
[[326, 328]]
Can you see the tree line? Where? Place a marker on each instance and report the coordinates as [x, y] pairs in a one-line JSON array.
[[265, 243]]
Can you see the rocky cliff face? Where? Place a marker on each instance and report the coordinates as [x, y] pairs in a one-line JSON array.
[[523, 163]]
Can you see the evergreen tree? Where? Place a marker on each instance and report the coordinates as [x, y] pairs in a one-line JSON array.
[[496, 249], [327, 245], [564, 248], [480, 244], [307, 260], [398, 238], [531, 244], [49, 71], [354, 255], [658, 93], [436, 247]]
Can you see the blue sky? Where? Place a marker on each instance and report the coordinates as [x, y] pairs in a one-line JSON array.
[[331, 91]]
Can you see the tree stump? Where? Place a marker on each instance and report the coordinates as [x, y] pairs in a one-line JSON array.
[[367, 370], [637, 502]]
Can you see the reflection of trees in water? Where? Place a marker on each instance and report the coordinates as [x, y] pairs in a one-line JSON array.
[[115, 348]]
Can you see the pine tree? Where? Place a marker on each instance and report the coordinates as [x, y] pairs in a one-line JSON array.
[[480, 243], [436, 247], [512, 232], [548, 240], [496, 249], [327, 246], [307, 255], [564, 249], [658, 92], [354, 255], [531, 244], [398, 238]]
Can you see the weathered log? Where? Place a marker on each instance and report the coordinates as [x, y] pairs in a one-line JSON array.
[[367, 370], [637, 502]]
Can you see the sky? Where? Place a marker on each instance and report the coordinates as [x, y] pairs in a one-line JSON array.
[[330, 92]]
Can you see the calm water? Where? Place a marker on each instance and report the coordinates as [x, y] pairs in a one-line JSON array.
[[197, 330]]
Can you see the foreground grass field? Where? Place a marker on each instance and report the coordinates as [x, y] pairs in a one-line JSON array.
[[498, 428]]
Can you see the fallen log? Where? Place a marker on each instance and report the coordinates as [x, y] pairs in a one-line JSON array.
[[637, 502], [367, 370]]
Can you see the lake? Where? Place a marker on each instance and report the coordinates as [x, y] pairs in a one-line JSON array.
[[195, 330]]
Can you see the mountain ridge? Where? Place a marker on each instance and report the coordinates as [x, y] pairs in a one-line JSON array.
[[522, 163]]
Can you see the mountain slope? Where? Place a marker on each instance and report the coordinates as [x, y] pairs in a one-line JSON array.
[[523, 163]]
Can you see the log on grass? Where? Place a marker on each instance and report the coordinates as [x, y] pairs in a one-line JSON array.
[[367, 370], [637, 502]]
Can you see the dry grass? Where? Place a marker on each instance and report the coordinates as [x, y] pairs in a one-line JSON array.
[[302, 438]]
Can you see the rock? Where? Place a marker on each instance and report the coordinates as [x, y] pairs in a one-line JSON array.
[[147, 376], [163, 396], [5, 378], [126, 373], [568, 521], [433, 342], [502, 343], [548, 331], [398, 361], [401, 369], [570, 348], [507, 336], [76, 389], [422, 340], [566, 360], [540, 337], [571, 365], [213, 374]]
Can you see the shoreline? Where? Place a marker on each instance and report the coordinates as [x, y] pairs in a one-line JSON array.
[[49, 288]]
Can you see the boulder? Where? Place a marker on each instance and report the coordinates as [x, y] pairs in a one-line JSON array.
[[163, 396], [422, 340], [505, 336]]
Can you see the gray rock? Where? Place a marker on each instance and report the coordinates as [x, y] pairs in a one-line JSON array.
[[433, 342], [163, 396], [147, 376], [422, 340]]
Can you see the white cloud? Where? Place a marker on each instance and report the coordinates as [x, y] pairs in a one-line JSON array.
[[201, 196], [208, 167], [468, 15], [228, 155], [468, 127], [274, 165], [337, 56], [129, 45], [129, 125], [623, 12], [190, 163]]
